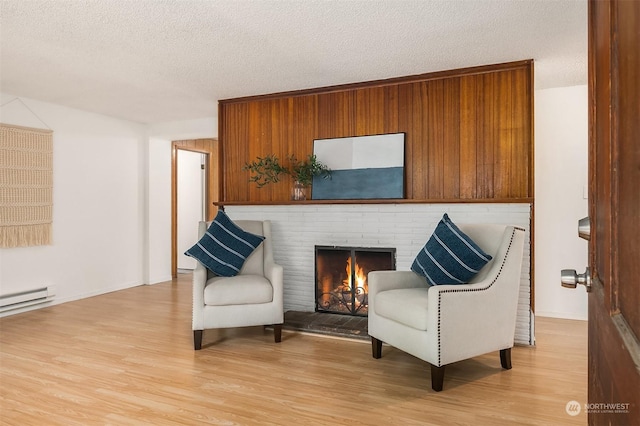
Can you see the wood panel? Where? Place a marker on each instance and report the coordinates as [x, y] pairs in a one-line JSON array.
[[336, 112], [469, 110], [234, 118], [127, 358], [629, 164], [469, 132]]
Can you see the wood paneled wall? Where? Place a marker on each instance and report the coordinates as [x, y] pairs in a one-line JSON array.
[[469, 132]]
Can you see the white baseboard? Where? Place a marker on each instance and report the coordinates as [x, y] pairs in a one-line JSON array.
[[561, 315], [158, 280]]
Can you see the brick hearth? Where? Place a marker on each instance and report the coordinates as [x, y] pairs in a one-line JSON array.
[[329, 324]]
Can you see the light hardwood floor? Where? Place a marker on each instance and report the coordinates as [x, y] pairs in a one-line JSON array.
[[127, 358]]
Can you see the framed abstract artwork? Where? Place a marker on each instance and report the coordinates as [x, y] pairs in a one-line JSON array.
[[362, 167]]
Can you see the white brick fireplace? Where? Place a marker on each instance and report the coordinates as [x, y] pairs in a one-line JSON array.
[[298, 228]]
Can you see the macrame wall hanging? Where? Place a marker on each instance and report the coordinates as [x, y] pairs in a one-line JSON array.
[[26, 186]]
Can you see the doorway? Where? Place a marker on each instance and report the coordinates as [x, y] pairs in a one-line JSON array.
[[195, 163], [192, 199]]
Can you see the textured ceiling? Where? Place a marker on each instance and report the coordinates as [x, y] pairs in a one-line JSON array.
[[163, 60]]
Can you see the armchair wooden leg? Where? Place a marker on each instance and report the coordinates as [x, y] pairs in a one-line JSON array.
[[277, 332], [376, 348], [437, 378], [197, 339], [505, 358]]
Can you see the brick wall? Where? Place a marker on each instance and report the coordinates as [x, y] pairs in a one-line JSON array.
[[298, 228]]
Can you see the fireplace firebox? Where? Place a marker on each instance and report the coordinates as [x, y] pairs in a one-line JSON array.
[[341, 277]]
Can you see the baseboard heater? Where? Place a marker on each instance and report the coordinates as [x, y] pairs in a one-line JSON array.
[[25, 298]]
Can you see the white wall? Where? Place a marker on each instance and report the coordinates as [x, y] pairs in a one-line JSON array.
[[112, 202], [187, 129], [159, 215], [98, 204], [561, 159]]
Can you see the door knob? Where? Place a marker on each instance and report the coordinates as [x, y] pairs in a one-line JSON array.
[[571, 279]]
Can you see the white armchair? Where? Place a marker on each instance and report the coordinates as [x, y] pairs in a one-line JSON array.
[[447, 323], [253, 297]]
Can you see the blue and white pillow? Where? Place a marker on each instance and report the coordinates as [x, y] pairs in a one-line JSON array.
[[450, 256], [224, 248]]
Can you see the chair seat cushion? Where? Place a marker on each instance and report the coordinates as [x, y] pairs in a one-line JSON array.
[[238, 290], [407, 306]]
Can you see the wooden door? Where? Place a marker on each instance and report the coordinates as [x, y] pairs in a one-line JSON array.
[[614, 210]]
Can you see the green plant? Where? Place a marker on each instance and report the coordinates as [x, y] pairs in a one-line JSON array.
[[304, 171], [265, 169], [268, 169]]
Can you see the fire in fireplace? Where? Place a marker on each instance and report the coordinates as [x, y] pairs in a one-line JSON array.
[[341, 276]]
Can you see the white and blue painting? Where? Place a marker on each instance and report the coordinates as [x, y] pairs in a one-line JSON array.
[[362, 167]]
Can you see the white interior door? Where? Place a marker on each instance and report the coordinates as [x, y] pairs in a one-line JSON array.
[[190, 197]]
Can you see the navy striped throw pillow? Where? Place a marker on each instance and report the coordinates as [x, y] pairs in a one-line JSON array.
[[224, 248], [450, 256]]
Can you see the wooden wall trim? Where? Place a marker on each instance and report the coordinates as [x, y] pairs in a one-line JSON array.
[[380, 201], [387, 81]]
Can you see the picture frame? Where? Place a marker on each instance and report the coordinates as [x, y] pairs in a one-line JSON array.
[[362, 167]]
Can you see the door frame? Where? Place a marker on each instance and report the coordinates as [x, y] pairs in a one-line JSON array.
[[208, 147]]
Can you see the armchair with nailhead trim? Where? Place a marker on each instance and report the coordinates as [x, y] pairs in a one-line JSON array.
[[443, 324]]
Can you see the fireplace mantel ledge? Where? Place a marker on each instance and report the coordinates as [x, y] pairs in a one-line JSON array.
[[377, 201]]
